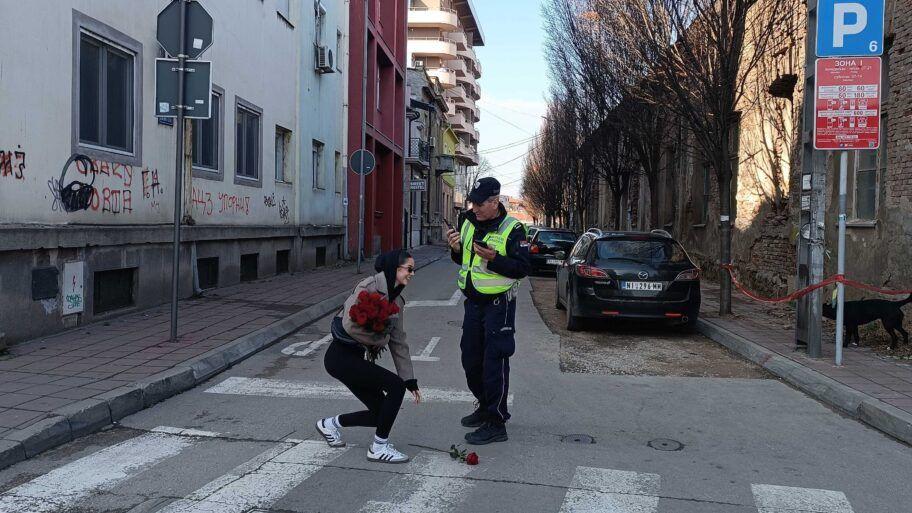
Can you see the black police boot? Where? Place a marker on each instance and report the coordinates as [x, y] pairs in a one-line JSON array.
[[491, 431], [475, 419]]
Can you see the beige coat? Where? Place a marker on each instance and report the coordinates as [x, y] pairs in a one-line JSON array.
[[395, 340]]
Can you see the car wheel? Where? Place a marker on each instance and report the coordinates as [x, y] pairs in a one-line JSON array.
[[573, 322], [557, 300]]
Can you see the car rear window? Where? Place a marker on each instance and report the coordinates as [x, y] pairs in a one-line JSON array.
[[551, 237], [648, 251]]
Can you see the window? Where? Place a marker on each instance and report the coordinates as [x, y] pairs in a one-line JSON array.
[[283, 257], [282, 154], [340, 177], [378, 88], [339, 57], [206, 138], [651, 252], [107, 90], [581, 248], [317, 165], [113, 289], [207, 271], [247, 142], [250, 266], [869, 166], [319, 20]]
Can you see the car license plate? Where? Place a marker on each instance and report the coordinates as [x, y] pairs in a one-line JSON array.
[[553, 261], [642, 285]]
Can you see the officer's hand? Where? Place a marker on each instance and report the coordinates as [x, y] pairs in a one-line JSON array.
[[453, 239], [485, 253], [417, 395]]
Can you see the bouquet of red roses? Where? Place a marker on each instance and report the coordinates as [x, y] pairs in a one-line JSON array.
[[372, 312]]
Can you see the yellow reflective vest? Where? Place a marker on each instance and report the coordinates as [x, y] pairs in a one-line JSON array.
[[485, 281]]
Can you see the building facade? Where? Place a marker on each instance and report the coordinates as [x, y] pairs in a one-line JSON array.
[[375, 114], [427, 161], [442, 36], [88, 239], [767, 187]]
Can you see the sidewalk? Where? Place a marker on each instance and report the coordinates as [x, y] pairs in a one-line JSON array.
[[874, 389], [73, 383]]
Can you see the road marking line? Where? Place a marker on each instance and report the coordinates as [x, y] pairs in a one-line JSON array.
[[602, 490], [453, 301], [62, 487], [432, 484], [263, 387], [425, 355], [313, 345], [785, 499], [185, 432], [261, 481]]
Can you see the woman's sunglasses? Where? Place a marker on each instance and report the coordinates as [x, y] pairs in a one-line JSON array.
[[410, 269]]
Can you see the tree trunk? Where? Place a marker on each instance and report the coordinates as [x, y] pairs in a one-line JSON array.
[[725, 242], [654, 203], [617, 210]]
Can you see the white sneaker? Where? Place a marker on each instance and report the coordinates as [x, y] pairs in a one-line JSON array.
[[330, 432], [385, 454]]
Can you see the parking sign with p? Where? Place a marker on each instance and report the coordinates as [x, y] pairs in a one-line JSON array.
[[850, 28]]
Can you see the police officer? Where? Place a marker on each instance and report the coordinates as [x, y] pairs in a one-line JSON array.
[[491, 249]]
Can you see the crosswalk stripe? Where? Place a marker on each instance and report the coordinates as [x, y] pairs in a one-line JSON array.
[[453, 301], [786, 499], [264, 387], [62, 487], [261, 481], [433, 484], [601, 490]]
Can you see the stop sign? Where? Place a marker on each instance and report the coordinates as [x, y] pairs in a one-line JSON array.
[[198, 29]]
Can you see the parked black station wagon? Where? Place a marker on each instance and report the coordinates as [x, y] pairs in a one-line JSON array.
[[635, 275], [543, 246]]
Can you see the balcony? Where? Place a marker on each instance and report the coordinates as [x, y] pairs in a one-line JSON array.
[[456, 95], [467, 154], [423, 17], [446, 76], [468, 78], [433, 46], [459, 37], [477, 69], [469, 55], [458, 120], [459, 66], [476, 92], [419, 152]]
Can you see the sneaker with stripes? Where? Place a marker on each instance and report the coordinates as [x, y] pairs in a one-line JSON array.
[[330, 432], [385, 453]]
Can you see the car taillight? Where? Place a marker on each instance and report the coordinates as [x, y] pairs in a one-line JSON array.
[[689, 275], [587, 271], [534, 249]]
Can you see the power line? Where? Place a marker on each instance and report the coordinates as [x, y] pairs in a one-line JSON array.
[[510, 145], [514, 125], [518, 111]]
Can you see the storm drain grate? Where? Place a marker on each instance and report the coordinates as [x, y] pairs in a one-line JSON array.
[[578, 439], [665, 444]]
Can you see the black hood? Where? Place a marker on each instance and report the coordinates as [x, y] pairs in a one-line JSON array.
[[388, 264]]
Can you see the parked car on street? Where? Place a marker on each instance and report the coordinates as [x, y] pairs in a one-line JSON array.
[[545, 244], [634, 275]]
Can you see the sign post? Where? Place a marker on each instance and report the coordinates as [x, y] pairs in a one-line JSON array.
[[363, 163], [847, 100], [179, 21]]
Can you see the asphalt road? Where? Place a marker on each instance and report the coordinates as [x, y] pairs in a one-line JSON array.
[[245, 441]]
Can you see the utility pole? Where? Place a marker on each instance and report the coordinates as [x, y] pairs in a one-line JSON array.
[[363, 144]]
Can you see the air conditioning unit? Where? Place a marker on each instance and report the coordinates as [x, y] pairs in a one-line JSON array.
[[325, 60]]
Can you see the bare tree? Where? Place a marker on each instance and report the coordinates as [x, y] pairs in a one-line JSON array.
[[700, 55], [469, 176]]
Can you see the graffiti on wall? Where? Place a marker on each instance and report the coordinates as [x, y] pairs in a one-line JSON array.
[[222, 203], [99, 186], [284, 211], [233, 204], [269, 201], [152, 188], [12, 163], [202, 200]]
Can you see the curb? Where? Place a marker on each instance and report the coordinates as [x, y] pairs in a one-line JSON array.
[[858, 405], [91, 415]]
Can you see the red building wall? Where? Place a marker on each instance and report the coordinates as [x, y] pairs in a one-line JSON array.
[[385, 131]]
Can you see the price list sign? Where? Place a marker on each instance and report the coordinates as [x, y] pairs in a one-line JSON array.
[[847, 107]]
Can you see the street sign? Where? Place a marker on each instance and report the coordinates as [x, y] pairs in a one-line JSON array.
[[850, 27], [419, 185], [847, 104], [199, 29], [363, 162], [197, 88]]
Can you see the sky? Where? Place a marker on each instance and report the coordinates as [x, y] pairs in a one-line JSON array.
[[514, 82]]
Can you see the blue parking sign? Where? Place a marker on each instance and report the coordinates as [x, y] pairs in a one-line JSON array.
[[850, 28]]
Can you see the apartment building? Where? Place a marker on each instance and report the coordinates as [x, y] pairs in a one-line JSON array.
[[375, 119], [442, 37], [85, 240]]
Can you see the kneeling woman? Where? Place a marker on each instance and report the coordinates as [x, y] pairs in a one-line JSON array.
[[350, 359]]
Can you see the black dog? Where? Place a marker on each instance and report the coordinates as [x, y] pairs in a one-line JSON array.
[[859, 313]]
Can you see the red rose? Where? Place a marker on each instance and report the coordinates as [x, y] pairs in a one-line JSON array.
[[378, 326], [361, 319], [362, 297], [471, 459]]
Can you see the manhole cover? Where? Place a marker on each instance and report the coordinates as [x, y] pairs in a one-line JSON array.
[[665, 444], [578, 439]]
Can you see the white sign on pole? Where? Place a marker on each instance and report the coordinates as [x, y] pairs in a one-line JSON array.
[[73, 287]]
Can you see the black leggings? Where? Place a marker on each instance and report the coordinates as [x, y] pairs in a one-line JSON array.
[[379, 389]]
